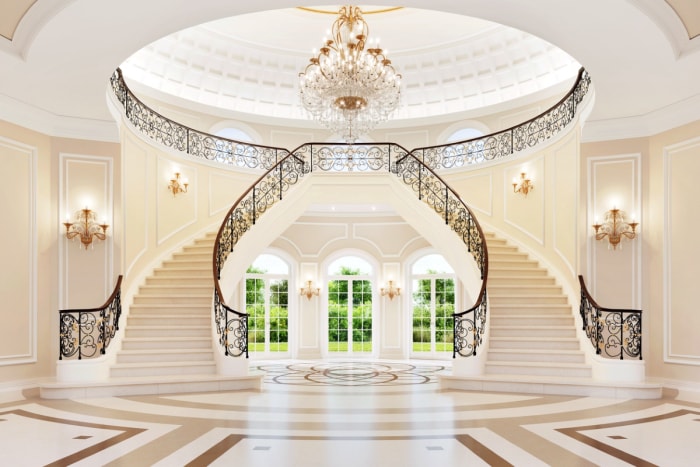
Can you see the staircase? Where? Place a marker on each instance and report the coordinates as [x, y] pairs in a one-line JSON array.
[[167, 343], [532, 341]]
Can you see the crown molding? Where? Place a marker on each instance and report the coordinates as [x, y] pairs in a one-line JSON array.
[[641, 126], [43, 121]]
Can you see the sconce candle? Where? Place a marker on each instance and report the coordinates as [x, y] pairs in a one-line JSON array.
[[522, 186], [309, 290], [176, 185], [614, 228], [85, 226], [390, 291]]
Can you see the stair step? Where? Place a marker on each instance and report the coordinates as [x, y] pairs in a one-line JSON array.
[[497, 309], [169, 320], [174, 309], [176, 289], [520, 281], [193, 256], [528, 299], [533, 331], [507, 256], [536, 355], [532, 320], [168, 299], [164, 343], [495, 290], [200, 271], [509, 263], [571, 370], [187, 263], [501, 248], [122, 370], [499, 271], [534, 343], [165, 355], [173, 332], [181, 280]]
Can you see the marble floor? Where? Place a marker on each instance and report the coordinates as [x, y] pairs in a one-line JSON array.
[[349, 413]]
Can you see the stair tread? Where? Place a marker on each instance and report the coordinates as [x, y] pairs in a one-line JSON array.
[[537, 351], [533, 339], [538, 364], [164, 364], [159, 351]]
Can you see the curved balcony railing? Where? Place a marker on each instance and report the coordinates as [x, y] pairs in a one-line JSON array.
[[614, 333], [86, 333], [486, 148], [426, 184]]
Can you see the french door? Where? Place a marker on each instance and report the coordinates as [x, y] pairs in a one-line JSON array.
[[267, 299], [349, 316], [433, 305]]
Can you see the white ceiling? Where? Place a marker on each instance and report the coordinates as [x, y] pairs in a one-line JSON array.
[[643, 62]]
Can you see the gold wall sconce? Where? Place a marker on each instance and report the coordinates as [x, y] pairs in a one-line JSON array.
[[177, 185], [524, 185], [86, 227], [615, 228], [390, 290], [309, 290]]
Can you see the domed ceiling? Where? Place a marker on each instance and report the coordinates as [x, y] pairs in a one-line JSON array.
[[451, 64]]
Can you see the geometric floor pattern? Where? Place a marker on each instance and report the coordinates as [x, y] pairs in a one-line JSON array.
[[350, 413]]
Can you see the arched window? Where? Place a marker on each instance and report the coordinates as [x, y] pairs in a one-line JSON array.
[[464, 134], [235, 134], [267, 303], [433, 294], [349, 306]]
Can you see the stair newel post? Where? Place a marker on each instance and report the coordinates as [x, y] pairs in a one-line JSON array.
[[280, 170], [80, 335], [254, 206], [447, 214], [622, 342], [420, 180], [103, 330]]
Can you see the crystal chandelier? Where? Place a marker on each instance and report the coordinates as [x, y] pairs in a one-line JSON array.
[[347, 88]]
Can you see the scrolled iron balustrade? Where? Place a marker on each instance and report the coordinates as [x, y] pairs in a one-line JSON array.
[[86, 333], [351, 157], [614, 333]]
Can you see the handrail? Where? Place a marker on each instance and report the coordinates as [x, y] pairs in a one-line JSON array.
[[613, 332], [511, 140], [85, 331], [270, 187], [472, 151]]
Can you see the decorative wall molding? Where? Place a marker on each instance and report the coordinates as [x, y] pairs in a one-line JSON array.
[[573, 267], [127, 219], [669, 154], [538, 237], [29, 353], [162, 192]]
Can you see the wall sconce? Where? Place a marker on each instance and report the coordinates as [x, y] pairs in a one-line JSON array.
[[176, 185], [86, 227], [309, 290], [390, 290], [522, 186], [615, 228]]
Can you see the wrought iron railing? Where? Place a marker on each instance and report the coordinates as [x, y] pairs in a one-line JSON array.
[[458, 154], [614, 333], [509, 141], [188, 140], [86, 333], [271, 187]]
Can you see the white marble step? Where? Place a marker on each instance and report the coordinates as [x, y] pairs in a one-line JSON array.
[[188, 263], [528, 299], [533, 331], [171, 320], [121, 370], [497, 309], [165, 343], [173, 271], [566, 370], [523, 319], [182, 280], [501, 271], [194, 256], [173, 299], [498, 255], [537, 355], [163, 384], [534, 343], [520, 281], [176, 289], [512, 289], [568, 386], [165, 355], [170, 309], [496, 263], [173, 332]]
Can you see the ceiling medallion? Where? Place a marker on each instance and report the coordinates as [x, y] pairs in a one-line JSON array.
[[346, 87]]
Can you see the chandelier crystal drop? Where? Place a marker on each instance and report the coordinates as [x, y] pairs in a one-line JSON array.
[[346, 87]]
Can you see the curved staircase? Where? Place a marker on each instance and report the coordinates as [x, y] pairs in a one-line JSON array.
[[167, 345], [532, 337]]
